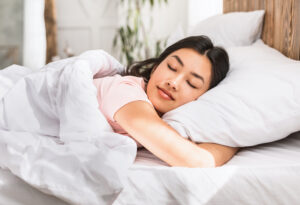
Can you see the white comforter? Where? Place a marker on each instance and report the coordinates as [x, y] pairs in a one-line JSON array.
[[53, 136]]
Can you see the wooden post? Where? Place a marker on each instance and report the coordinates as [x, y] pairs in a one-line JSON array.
[[51, 29]]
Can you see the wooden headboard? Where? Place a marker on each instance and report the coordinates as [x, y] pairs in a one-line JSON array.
[[281, 29]]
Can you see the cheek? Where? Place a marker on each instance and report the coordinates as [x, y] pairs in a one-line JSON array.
[[150, 89], [156, 76], [155, 80], [158, 73], [188, 96]]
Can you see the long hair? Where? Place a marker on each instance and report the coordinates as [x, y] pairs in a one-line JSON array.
[[217, 56]]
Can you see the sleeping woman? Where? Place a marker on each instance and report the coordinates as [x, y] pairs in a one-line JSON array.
[[134, 102]]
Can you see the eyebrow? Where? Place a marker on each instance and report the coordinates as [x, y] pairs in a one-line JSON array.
[[194, 74], [178, 59]]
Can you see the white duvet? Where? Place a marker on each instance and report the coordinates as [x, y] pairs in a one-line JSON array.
[[53, 136]]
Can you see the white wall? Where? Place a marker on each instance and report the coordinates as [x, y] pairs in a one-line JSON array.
[[199, 10], [166, 17], [86, 24], [179, 13]]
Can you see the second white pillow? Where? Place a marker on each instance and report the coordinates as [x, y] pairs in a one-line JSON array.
[[227, 30], [231, 29]]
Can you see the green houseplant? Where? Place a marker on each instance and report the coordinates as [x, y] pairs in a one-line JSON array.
[[132, 38]]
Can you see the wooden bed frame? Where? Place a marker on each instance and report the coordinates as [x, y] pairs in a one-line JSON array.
[[281, 29]]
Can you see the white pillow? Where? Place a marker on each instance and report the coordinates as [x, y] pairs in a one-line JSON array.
[[227, 30], [177, 35], [258, 101]]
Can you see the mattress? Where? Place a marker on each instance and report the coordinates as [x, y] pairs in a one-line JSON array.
[[264, 174]]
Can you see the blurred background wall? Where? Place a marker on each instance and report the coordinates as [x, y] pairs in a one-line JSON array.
[[87, 24], [11, 32]]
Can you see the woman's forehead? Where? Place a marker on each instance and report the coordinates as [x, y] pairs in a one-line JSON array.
[[190, 59]]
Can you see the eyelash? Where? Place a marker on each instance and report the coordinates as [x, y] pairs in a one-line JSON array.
[[191, 84], [172, 69]]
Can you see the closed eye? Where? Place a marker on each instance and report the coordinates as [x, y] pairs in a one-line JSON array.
[[191, 84], [173, 69]]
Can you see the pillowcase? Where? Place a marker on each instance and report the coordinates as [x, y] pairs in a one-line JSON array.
[[258, 101], [227, 30]]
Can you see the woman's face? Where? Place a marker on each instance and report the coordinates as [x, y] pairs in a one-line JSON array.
[[181, 77]]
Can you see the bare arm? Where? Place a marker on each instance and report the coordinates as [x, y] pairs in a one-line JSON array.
[[141, 121], [221, 153]]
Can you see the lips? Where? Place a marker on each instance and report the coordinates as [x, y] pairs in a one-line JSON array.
[[165, 94]]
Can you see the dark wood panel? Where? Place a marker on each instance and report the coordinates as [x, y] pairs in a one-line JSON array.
[[51, 29], [281, 28]]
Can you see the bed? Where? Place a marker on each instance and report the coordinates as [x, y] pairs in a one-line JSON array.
[[263, 174]]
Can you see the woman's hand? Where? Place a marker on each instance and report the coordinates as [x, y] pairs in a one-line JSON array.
[[141, 121]]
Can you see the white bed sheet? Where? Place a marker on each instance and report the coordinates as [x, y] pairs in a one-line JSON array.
[[265, 174]]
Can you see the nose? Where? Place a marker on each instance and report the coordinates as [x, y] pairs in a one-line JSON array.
[[173, 84], [175, 81]]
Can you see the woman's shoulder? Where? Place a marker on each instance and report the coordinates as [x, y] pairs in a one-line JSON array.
[[118, 79], [135, 79]]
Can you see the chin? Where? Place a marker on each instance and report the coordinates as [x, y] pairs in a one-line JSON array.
[[160, 106], [158, 109], [161, 110]]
